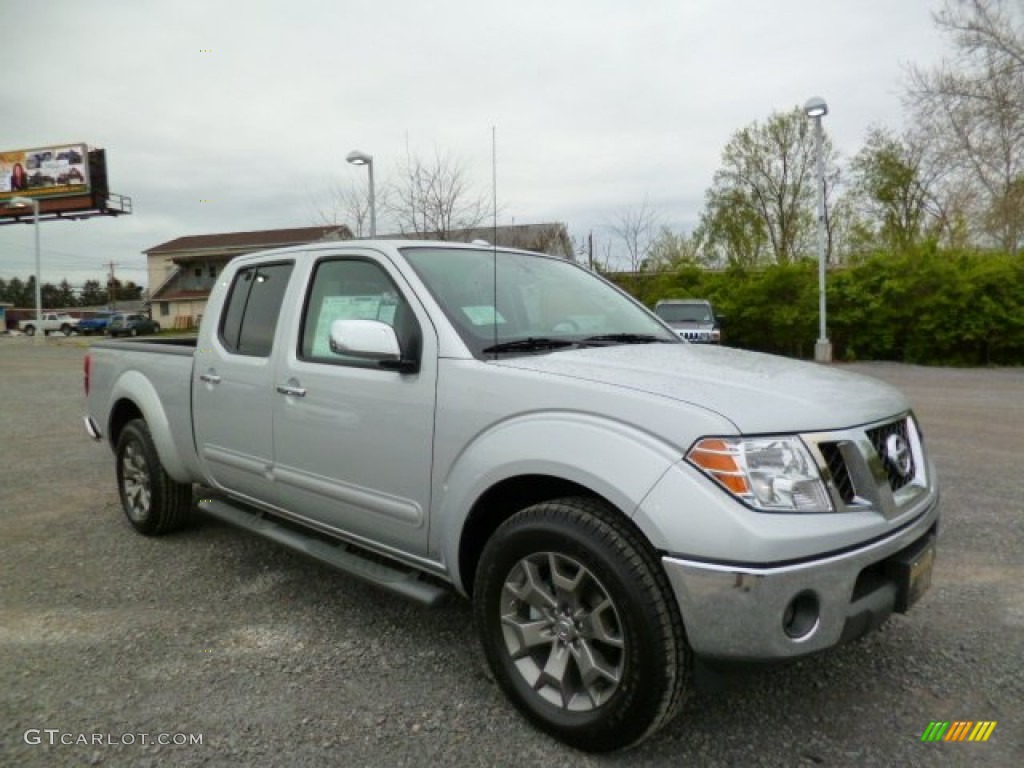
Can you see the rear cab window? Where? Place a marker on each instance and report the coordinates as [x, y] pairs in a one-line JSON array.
[[253, 306]]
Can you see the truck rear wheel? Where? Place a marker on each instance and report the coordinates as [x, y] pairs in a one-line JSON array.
[[579, 625], [152, 500]]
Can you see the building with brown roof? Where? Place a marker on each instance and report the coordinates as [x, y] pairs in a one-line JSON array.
[[182, 272]]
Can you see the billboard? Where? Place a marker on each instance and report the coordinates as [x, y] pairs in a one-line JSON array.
[[45, 172]]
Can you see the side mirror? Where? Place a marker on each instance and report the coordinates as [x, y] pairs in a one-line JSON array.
[[370, 340]]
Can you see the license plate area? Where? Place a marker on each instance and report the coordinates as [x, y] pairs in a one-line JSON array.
[[912, 570]]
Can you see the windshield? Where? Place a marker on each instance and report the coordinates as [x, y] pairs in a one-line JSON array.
[[684, 313], [545, 301]]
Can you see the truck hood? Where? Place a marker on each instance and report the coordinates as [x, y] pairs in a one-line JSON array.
[[758, 393]]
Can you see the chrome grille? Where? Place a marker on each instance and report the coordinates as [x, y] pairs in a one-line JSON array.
[[879, 466], [837, 470], [880, 437]]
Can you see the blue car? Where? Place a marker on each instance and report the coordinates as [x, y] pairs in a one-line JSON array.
[[96, 324]]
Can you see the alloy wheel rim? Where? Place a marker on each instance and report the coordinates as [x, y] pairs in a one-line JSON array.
[[135, 482], [562, 631]]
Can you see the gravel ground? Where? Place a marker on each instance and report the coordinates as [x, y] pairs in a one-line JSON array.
[[275, 660]]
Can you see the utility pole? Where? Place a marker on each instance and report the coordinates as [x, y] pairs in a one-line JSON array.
[[111, 288], [590, 249]]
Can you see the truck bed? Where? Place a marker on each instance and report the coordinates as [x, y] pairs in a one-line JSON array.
[[171, 345]]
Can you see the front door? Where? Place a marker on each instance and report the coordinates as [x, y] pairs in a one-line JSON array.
[[352, 440]]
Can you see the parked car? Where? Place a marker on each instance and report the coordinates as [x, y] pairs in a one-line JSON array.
[[52, 322], [97, 323], [131, 325], [693, 319], [617, 503]]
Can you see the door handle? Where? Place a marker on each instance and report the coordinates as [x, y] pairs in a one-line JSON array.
[[209, 378], [291, 391]]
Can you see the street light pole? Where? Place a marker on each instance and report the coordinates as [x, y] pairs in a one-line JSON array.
[[355, 157], [40, 334], [816, 109]]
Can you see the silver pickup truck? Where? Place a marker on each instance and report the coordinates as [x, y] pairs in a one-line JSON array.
[[619, 505]]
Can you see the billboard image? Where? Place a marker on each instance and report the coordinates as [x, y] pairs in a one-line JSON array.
[[44, 172]]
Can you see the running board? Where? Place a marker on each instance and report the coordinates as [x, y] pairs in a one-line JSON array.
[[341, 556]]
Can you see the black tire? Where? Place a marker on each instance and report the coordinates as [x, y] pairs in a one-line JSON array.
[[613, 605], [65, 329], [156, 327], [30, 330], [133, 332], [153, 502]]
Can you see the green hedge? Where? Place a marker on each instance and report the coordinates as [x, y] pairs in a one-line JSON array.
[[930, 307]]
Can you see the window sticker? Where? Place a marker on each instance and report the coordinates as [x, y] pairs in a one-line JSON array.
[[483, 315]]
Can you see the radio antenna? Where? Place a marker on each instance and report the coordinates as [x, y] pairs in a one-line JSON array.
[[494, 228]]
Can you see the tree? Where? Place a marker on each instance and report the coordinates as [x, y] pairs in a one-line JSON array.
[[636, 227], [93, 294], [670, 249], [51, 296], [894, 188], [973, 109], [434, 197], [349, 205], [736, 233], [764, 192], [64, 294], [18, 293], [127, 291]]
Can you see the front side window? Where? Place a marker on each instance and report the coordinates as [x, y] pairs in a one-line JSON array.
[[507, 301], [353, 289], [250, 315]]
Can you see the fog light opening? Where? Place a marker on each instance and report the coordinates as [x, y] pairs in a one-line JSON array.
[[801, 616]]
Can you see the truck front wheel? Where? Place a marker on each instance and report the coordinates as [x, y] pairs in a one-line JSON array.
[[30, 330], [152, 500], [579, 625]]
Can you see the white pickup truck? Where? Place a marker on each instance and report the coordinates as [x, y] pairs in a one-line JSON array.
[[51, 323], [620, 505]]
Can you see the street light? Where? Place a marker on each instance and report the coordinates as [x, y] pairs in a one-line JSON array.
[[361, 158], [17, 202], [815, 109]]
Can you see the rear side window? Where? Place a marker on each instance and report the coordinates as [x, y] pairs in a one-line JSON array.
[[250, 315]]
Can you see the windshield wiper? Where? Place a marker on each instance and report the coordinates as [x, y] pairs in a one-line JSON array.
[[529, 344], [626, 338]]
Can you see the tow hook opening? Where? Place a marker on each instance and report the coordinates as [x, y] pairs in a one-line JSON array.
[[801, 616]]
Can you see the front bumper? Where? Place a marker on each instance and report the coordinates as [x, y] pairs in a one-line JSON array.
[[767, 613]]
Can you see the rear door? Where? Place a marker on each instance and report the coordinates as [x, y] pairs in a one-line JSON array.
[[353, 441], [233, 388]]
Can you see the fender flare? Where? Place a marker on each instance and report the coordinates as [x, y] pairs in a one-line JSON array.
[[613, 460], [137, 389]]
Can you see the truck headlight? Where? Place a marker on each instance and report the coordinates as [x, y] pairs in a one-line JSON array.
[[770, 474]]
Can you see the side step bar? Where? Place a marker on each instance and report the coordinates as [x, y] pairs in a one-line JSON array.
[[341, 556]]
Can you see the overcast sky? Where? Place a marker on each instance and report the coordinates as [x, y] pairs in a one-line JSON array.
[[222, 116]]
